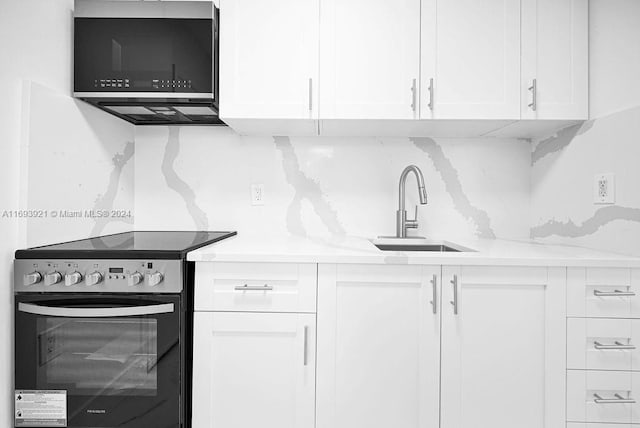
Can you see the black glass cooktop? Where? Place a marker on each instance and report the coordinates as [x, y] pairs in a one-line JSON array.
[[128, 245]]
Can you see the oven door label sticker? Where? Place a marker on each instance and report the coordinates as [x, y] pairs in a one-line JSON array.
[[41, 408]]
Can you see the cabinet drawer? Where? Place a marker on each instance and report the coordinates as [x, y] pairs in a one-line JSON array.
[[612, 387], [256, 287], [603, 343], [586, 425], [603, 292]]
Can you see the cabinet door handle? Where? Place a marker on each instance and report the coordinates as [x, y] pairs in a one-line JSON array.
[[454, 302], [534, 95], [305, 356], [434, 285], [310, 94], [431, 94], [618, 399], [617, 345], [615, 293], [413, 95], [253, 287]]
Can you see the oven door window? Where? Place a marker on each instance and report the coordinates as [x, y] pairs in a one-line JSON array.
[[98, 356]]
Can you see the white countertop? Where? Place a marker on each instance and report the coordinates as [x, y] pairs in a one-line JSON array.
[[243, 248]]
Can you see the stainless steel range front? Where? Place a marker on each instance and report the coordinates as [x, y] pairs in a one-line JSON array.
[[102, 331]]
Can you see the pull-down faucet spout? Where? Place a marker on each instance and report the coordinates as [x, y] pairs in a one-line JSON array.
[[402, 223]]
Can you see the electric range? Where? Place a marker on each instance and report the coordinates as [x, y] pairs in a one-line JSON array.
[[103, 330]]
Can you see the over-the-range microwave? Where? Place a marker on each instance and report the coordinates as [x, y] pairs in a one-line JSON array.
[[148, 62]]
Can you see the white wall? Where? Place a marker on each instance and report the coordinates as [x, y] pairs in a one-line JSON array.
[[71, 150], [564, 166]]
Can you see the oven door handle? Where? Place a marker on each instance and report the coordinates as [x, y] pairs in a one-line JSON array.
[[95, 312]]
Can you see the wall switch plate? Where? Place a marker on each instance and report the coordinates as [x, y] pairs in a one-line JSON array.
[[604, 188], [257, 194]]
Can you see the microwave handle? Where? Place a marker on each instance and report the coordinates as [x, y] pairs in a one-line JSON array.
[[95, 312]]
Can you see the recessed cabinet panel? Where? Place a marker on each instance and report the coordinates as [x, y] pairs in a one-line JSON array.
[[502, 330], [254, 370], [378, 346], [369, 59], [555, 59], [269, 60], [471, 50]]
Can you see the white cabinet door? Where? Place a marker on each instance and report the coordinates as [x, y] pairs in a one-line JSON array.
[[378, 346], [503, 353], [269, 61], [555, 53], [254, 370], [369, 59], [471, 50]]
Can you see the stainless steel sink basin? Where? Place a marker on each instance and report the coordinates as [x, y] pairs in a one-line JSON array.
[[417, 244]]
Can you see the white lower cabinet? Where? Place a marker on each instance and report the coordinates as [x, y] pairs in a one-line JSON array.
[[254, 370], [403, 346], [378, 346], [491, 355], [503, 358]]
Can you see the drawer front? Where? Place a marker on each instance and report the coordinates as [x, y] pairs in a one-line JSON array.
[[591, 425], [603, 344], [255, 287], [603, 292], [597, 396]]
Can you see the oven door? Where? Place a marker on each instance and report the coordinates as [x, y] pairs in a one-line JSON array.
[[117, 358]]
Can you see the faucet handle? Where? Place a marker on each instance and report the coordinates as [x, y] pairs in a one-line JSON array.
[[413, 223]]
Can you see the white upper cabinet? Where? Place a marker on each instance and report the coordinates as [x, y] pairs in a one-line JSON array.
[[369, 59], [555, 55], [470, 59], [269, 64]]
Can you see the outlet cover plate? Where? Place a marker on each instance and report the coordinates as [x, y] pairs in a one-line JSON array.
[[604, 188], [257, 194]]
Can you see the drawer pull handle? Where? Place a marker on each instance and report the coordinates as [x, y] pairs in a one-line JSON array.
[[619, 399], [253, 287], [615, 293], [616, 345]]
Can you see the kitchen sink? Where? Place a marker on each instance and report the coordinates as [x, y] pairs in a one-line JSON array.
[[417, 244]]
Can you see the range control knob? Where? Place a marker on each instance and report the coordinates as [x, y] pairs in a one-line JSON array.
[[32, 278], [134, 279], [154, 279], [93, 278], [72, 278], [52, 278]]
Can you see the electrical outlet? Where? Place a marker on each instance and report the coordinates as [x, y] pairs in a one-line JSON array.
[[257, 194], [604, 188]]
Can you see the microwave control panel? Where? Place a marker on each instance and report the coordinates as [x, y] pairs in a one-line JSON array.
[[98, 276], [167, 85]]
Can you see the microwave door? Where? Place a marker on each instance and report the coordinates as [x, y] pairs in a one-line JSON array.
[[143, 55]]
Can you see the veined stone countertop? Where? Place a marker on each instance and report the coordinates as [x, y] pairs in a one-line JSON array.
[[490, 252]]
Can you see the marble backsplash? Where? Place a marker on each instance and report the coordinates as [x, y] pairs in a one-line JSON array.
[[199, 177], [76, 169], [563, 169]]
